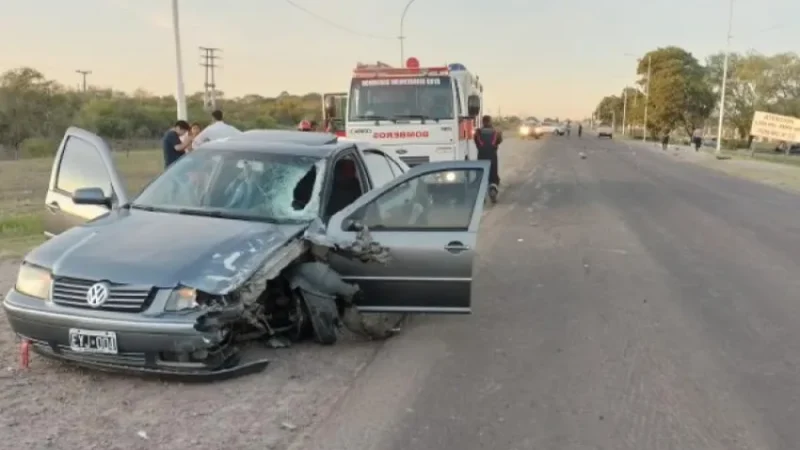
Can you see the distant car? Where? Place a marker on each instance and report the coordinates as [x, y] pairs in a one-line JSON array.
[[548, 128], [528, 130], [605, 130]]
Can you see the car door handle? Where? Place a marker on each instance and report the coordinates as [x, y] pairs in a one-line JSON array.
[[53, 206], [456, 247]]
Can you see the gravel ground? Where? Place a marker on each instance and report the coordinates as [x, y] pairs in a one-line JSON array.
[[54, 405]]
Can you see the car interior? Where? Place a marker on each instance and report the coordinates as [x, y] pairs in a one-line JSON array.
[[346, 188]]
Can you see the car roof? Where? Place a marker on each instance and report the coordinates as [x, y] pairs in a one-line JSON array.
[[284, 142], [298, 137]]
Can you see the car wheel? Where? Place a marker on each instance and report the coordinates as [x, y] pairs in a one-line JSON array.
[[323, 316]]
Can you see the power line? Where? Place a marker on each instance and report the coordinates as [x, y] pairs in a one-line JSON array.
[[336, 25]]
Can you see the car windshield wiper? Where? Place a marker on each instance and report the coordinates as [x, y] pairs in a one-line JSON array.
[[421, 117], [374, 117], [150, 208], [224, 215]]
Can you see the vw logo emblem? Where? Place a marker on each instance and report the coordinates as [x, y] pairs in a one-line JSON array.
[[97, 295]]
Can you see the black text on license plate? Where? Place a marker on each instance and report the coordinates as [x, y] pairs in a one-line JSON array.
[[92, 341]]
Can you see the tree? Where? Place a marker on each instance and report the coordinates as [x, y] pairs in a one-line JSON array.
[[609, 110], [25, 106], [31, 106], [679, 94], [756, 82]]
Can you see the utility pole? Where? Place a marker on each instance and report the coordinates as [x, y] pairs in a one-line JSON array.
[[83, 74], [624, 109], [613, 121], [180, 95], [210, 87], [402, 36], [724, 81], [647, 95]]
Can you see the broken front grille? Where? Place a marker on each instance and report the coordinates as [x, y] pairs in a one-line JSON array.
[[415, 160], [121, 297]]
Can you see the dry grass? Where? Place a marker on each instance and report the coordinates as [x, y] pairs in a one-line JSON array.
[[23, 185]]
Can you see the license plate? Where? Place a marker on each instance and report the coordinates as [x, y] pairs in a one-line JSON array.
[[91, 341]]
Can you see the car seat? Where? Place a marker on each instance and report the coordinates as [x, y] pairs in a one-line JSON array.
[[346, 187]]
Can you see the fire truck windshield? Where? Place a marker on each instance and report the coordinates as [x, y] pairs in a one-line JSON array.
[[401, 98]]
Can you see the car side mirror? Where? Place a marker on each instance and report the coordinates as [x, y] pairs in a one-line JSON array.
[[353, 225], [473, 106], [91, 196]]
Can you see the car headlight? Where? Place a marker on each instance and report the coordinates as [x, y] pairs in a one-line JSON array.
[[524, 130], [182, 299], [34, 281]]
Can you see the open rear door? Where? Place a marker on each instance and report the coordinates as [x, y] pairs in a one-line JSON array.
[[83, 160], [429, 219]]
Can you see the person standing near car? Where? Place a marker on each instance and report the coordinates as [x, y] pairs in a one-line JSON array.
[[487, 140], [217, 130], [172, 143]]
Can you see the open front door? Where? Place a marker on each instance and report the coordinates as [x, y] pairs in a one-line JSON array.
[[83, 160], [429, 219], [334, 108]]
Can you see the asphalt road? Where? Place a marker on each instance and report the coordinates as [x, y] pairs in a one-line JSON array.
[[623, 301]]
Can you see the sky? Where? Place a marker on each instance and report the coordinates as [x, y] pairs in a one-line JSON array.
[[534, 57]]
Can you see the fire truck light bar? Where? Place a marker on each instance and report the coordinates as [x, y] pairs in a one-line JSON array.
[[397, 72]]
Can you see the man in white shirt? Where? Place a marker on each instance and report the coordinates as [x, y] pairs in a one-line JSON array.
[[217, 130]]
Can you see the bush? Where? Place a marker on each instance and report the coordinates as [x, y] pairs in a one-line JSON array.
[[39, 148]]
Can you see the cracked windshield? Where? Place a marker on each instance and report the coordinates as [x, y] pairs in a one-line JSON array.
[[257, 185], [400, 224]]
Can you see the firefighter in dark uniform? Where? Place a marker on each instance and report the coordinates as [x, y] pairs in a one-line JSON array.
[[488, 140]]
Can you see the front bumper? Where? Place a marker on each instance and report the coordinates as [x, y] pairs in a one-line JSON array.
[[165, 345]]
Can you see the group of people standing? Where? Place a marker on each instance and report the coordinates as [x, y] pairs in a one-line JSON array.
[[182, 138]]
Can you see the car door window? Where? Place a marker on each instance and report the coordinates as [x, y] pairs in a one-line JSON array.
[[442, 200], [395, 167], [379, 169], [82, 166]]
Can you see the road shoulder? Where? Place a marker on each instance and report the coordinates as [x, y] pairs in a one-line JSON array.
[[784, 176]]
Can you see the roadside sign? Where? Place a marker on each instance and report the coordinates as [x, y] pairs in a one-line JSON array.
[[775, 127]]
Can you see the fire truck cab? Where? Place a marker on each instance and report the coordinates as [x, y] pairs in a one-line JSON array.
[[422, 114]]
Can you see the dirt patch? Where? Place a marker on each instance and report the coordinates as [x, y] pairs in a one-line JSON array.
[[54, 405]]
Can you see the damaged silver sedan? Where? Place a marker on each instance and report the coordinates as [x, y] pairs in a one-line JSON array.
[[255, 239]]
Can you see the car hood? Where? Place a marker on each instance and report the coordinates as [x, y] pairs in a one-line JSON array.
[[164, 250]]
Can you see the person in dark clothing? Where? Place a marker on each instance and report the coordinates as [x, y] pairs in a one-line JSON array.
[[172, 144], [580, 129], [487, 140], [665, 141]]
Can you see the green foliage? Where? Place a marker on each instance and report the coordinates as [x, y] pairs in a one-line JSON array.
[[35, 112], [756, 82], [684, 93]]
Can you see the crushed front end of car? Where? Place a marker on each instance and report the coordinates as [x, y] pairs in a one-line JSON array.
[[200, 329]]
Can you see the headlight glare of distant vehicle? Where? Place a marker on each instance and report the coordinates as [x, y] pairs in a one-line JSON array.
[[182, 299], [524, 130], [33, 281], [444, 177]]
